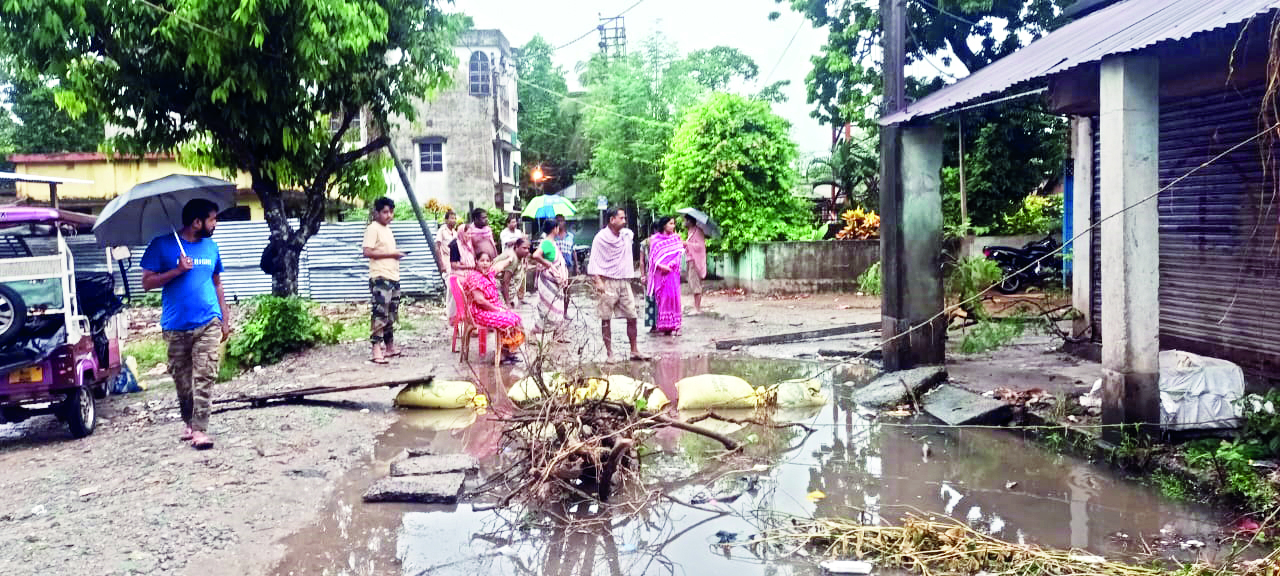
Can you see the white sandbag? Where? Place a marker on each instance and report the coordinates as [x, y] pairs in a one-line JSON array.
[[799, 393], [526, 388], [715, 391], [623, 389], [441, 394], [1197, 392]]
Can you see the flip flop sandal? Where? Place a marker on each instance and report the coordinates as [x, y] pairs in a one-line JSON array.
[[201, 441], [187, 435], [379, 360]]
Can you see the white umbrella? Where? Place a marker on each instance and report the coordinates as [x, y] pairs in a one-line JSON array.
[[154, 208]]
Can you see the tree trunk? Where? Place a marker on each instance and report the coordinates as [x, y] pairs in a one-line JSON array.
[[286, 265], [281, 255]]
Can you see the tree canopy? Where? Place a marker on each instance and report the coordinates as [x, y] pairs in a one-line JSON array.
[[42, 127], [636, 102], [733, 157], [845, 86], [270, 87], [547, 131]]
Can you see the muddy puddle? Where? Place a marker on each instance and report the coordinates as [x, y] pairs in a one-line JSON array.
[[850, 466]]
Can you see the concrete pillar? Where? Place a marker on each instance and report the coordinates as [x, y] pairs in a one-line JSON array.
[[1081, 219], [1130, 142], [910, 246]]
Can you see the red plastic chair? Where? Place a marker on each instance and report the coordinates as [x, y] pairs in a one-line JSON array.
[[462, 323]]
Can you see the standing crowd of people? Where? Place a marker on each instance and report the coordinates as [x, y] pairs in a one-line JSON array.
[[482, 283], [488, 284]]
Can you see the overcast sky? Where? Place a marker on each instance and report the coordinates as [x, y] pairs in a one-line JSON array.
[[691, 24]]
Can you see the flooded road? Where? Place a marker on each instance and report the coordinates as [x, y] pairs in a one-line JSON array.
[[850, 466]]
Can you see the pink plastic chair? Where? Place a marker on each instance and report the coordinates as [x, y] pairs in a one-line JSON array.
[[462, 322]]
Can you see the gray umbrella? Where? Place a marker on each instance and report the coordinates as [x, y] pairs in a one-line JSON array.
[[154, 208], [704, 222]]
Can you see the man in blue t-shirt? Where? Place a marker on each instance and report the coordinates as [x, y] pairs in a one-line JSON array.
[[186, 267]]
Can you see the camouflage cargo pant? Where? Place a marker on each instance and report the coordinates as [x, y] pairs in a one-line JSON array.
[[384, 309], [193, 363]]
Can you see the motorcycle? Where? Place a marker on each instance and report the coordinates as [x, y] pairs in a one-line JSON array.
[[1026, 266]]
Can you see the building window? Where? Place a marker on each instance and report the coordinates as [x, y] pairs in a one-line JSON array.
[[354, 136], [479, 74], [431, 156], [506, 162]]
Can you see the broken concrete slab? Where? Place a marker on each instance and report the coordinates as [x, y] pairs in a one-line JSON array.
[[434, 489], [894, 388], [959, 407], [427, 465]]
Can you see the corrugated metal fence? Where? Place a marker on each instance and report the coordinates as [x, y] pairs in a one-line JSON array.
[[332, 267]]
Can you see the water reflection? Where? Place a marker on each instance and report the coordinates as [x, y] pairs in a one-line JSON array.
[[851, 466]]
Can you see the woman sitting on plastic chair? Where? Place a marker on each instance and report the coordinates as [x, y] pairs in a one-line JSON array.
[[487, 308]]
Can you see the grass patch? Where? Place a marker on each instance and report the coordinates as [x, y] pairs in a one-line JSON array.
[[1173, 487], [150, 352]]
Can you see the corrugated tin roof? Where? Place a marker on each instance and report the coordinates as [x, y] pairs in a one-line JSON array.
[[1117, 29]]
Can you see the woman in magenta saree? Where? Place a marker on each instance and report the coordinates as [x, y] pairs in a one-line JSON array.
[[666, 249]]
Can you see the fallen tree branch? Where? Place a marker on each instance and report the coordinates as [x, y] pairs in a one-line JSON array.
[[729, 443], [750, 421]]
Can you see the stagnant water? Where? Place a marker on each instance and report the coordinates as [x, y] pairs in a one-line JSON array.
[[851, 467]]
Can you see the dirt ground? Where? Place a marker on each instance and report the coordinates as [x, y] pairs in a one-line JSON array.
[[132, 499]]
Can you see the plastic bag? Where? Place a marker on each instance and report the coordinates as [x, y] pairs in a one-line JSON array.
[[1197, 392], [715, 391], [125, 382], [441, 394]]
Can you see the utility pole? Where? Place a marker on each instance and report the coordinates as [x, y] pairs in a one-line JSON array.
[[896, 349], [613, 36], [913, 328], [498, 196]]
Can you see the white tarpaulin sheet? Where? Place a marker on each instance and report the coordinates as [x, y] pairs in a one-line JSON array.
[[1199, 392]]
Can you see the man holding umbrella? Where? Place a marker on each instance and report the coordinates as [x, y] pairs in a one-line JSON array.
[[186, 267]]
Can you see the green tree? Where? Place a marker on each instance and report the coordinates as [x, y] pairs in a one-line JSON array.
[[635, 104], [734, 158], [546, 126], [845, 86], [45, 128], [270, 88]]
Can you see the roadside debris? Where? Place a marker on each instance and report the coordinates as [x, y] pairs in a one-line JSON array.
[[927, 546]]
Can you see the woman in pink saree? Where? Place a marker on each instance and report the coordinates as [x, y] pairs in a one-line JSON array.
[[666, 249]]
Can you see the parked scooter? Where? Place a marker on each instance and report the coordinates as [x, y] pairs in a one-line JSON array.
[[1026, 266]]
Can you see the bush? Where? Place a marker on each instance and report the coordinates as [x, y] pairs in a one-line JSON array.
[[1036, 215], [276, 326], [869, 282], [146, 300], [972, 276], [859, 225]]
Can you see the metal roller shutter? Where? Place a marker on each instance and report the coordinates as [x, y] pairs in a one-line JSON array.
[[1219, 257], [1219, 243]]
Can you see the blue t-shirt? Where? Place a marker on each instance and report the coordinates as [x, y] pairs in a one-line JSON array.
[[190, 300]]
